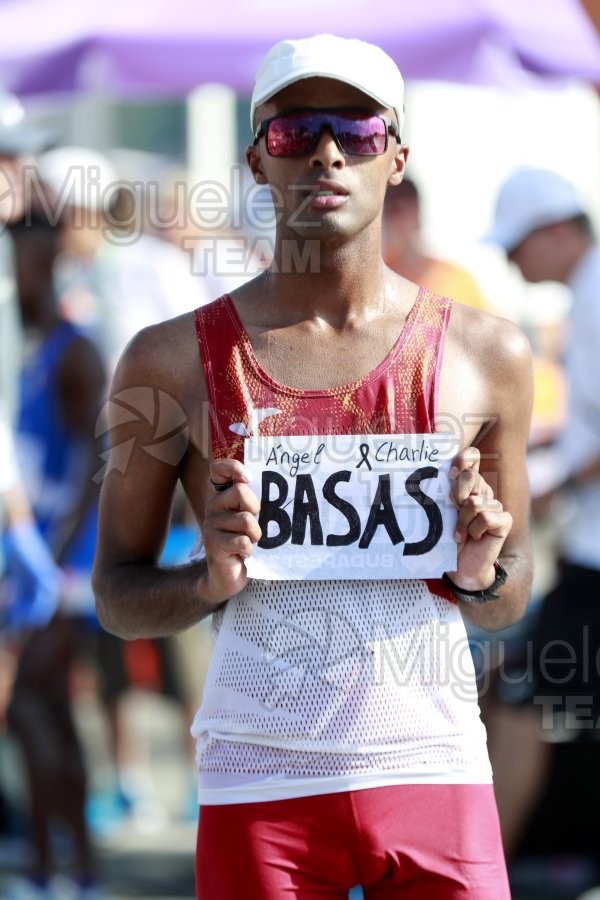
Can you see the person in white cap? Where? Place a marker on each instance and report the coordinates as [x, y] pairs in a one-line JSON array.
[[111, 280], [542, 224], [329, 752]]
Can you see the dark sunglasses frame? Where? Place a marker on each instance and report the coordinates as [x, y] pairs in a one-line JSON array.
[[328, 119]]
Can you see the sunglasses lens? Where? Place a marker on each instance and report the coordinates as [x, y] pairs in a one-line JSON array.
[[362, 137], [289, 136], [298, 134]]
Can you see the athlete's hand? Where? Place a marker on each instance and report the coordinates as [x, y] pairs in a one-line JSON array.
[[482, 525], [230, 529]]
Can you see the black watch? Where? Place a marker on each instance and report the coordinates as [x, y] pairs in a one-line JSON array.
[[479, 596]]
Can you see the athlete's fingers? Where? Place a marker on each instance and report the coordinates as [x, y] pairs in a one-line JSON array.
[[469, 458], [225, 472], [480, 516], [226, 545], [236, 497], [464, 475], [234, 522]]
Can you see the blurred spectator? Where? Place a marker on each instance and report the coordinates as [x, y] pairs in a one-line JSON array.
[[113, 275], [226, 255], [61, 389], [404, 253], [79, 185], [18, 140], [542, 225], [114, 278]]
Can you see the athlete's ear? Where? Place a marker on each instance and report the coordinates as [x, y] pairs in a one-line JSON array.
[[398, 166], [255, 163]]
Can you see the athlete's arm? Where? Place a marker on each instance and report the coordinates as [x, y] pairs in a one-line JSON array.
[[135, 596], [491, 486]]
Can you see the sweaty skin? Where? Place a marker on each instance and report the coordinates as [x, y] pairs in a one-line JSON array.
[[353, 307]]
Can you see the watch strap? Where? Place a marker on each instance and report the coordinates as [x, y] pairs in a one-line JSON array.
[[481, 596]]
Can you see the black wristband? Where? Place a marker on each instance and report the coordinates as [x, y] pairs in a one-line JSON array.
[[482, 596]]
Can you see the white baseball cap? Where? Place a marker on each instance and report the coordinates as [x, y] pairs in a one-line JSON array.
[[530, 199], [79, 176], [355, 62]]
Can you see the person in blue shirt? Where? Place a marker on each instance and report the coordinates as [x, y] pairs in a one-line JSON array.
[[61, 390]]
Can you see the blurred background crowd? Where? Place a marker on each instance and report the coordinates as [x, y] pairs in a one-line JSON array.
[[125, 200]]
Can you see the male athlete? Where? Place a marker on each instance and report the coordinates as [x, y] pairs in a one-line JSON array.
[[315, 775]]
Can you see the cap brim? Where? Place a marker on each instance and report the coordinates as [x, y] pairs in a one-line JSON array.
[[507, 237], [22, 140]]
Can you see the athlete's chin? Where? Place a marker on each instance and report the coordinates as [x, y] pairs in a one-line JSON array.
[[325, 228]]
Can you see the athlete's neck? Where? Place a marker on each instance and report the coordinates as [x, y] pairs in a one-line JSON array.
[[340, 283]]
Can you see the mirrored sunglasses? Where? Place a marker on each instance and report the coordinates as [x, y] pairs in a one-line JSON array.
[[355, 134]]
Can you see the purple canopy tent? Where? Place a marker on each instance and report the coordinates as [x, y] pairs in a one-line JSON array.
[[167, 47]]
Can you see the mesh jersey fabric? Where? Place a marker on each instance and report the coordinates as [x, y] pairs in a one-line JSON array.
[[314, 681]]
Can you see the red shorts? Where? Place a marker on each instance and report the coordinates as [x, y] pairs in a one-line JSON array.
[[415, 841]]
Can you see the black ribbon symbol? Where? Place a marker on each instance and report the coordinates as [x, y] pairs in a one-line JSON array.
[[364, 451]]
